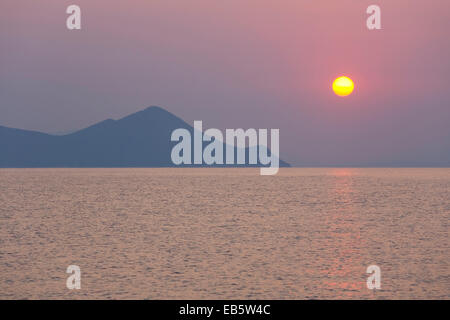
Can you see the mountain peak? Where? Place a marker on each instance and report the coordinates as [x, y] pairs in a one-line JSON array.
[[155, 109], [152, 113]]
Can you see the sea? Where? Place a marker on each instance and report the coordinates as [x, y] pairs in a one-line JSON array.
[[225, 233]]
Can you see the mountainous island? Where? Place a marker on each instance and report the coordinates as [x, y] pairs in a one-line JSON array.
[[141, 139]]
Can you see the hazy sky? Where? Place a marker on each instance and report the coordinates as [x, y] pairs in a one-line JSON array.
[[239, 63]]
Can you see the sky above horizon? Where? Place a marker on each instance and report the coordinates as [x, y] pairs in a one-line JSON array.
[[239, 63]]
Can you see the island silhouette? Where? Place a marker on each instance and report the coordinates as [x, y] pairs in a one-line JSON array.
[[141, 139]]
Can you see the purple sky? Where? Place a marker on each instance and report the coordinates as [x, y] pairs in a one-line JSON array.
[[239, 63]]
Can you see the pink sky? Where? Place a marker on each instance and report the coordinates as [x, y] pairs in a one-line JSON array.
[[238, 63]]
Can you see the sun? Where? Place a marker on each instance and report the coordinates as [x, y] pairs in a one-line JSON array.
[[343, 86]]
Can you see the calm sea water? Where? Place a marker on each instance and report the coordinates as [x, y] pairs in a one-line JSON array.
[[224, 233]]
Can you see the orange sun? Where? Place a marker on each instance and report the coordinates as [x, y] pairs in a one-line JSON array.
[[343, 86]]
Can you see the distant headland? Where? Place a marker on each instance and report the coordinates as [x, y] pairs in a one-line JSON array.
[[142, 139]]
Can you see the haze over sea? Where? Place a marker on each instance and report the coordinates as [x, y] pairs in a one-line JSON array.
[[224, 233]]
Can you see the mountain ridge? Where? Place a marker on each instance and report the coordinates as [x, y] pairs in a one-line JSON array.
[[141, 139]]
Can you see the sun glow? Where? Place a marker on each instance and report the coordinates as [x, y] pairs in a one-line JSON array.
[[343, 86]]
